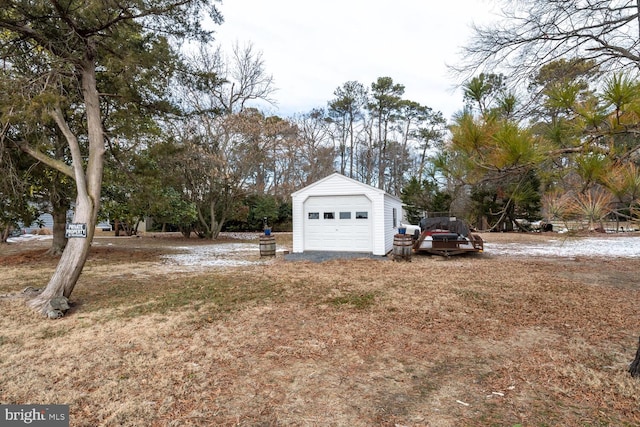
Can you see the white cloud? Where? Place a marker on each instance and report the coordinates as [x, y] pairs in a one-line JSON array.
[[312, 47]]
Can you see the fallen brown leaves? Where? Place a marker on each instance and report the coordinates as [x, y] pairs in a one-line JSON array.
[[474, 340]]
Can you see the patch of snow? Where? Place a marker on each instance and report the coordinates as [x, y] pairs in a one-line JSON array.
[[240, 235], [618, 247], [29, 238], [245, 254], [217, 255]]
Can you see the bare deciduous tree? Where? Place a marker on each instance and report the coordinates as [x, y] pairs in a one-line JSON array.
[[231, 81], [226, 135], [538, 32]]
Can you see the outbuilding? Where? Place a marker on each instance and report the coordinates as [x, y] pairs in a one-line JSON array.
[[340, 214]]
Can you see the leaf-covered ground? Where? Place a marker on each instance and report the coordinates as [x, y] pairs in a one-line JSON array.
[[472, 340]]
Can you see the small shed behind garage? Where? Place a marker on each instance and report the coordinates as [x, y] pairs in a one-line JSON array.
[[338, 213]]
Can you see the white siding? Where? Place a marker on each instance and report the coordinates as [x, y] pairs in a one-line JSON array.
[[340, 186], [378, 225], [390, 229], [46, 220], [297, 214]]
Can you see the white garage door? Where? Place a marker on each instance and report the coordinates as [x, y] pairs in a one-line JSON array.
[[338, 223]]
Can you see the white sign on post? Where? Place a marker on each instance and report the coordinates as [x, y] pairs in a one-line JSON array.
[[76, 230]]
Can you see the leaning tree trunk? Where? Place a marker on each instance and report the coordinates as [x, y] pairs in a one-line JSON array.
[[634, 368], [88, 185], [59, 225], [70, 265]]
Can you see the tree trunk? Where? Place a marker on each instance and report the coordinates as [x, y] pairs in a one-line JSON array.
[[5, 233], [634, 368], [88, 185], [381, 154], [351, 119], [214, 222], [59, 227], [186, 232], [71, 262]]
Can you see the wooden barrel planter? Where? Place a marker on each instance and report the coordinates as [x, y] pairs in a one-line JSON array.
[[267, 245], [402, 247]]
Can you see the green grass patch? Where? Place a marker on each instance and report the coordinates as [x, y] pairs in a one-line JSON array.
[[360, 301], [479, 299], [48, 333], [137, 297]]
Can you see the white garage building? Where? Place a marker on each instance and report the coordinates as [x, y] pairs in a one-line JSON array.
[[338, 213]]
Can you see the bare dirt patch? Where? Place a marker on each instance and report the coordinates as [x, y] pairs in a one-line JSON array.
[[473, 340]]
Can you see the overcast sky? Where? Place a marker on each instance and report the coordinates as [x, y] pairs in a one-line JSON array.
[[311, 47]]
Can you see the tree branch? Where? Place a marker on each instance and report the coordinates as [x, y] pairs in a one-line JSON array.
[[49, 161], [74, 146]]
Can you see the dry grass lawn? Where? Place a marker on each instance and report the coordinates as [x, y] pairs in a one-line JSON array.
[[468, 341]]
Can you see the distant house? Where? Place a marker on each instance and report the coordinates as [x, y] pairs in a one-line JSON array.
[[46, 221], [338, 213]]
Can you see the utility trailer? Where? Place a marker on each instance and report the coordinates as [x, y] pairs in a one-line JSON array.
[[447, 236]]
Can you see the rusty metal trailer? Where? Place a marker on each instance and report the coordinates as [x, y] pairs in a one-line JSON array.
[[447, 236]]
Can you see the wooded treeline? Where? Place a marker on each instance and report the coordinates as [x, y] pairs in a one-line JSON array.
[[568, 151], [237, 165], [205, 158]]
